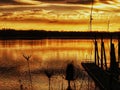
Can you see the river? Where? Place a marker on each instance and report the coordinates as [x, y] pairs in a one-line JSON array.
[[46, 54]]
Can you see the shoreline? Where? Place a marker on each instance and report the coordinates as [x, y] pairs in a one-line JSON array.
[[42, 34]]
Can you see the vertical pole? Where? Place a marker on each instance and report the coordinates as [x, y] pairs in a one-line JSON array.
[[108, 25], [118, 53], [111, 76], [105, 56], [102, 53], [97, 54], [95, 50], [91, 15], [110, 51]]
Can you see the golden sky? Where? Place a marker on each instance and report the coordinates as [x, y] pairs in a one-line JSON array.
[[62, 15]]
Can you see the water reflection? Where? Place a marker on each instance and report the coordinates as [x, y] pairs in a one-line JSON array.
[[52, 54]]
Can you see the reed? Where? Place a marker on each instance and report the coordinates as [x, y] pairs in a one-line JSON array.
[[29, 71], [49, 73]]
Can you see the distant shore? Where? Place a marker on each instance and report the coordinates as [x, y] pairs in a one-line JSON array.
[[9, 34]]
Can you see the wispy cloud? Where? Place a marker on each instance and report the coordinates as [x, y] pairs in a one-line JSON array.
[[57, 1], [54, 16], [59, 13], [19, 2], [28, 1]]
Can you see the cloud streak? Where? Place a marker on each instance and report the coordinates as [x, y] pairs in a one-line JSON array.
[[36, 2], [58, 13], [19, 2], [28, 1], [53, 16], [4, 2]]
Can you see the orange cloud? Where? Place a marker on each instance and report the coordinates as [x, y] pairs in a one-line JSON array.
[[28, 1], [60, 14]]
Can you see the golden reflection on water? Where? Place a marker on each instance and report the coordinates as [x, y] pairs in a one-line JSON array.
[[47, 53]]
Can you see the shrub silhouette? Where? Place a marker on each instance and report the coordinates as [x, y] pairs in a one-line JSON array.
[[70, 70]]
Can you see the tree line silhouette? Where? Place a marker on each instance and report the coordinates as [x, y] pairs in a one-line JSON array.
[[6, 34]]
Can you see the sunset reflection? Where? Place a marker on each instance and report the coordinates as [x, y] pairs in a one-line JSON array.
[[45, 54], [37, 60]]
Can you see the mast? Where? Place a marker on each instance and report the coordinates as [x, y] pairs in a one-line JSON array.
[[91, 15], [108, 25]]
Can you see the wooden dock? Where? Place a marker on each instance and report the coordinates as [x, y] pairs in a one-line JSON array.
[[103, 79]]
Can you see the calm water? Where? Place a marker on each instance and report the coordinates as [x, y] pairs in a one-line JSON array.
[[52, 54]]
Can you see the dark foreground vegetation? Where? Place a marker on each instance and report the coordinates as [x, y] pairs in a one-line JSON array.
[[6, 34]]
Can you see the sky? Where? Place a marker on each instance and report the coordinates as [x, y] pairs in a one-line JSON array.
[[60, 15]]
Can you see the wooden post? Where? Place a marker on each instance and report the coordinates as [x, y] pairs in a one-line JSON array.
[[96, 53], [101, 53], [118, 53], [91, 18], [104, 56], [95, 50]]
